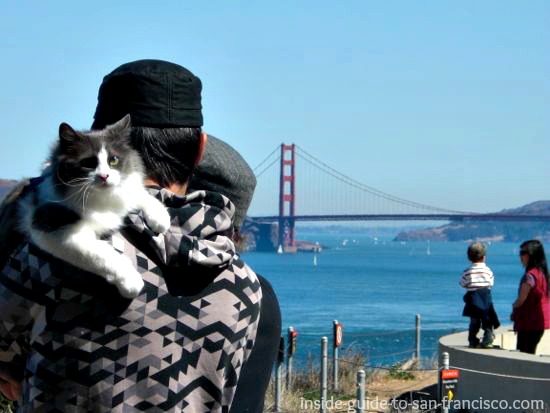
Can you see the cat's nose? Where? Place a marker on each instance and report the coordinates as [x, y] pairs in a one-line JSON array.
[[103, 177]]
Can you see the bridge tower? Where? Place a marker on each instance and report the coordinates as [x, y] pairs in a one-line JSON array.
[[287, 198]]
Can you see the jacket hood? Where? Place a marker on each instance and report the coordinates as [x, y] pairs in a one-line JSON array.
[[200, 234]]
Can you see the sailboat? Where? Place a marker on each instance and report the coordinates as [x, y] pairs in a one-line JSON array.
[[428, 250], [316, 249], [280, 249]]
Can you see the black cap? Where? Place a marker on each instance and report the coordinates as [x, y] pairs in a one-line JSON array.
[[155, 93]]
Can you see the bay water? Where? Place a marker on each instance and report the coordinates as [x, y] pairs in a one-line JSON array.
[[375, 287]]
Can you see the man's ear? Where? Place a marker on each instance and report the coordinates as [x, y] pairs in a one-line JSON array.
[[202, 145]]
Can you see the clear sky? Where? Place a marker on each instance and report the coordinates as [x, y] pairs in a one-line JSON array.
[[441, 102]]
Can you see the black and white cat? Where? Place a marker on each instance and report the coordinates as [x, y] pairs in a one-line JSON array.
[[93, 181]]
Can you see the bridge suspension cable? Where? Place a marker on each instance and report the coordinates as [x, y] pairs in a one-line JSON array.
[[257, 167], [332, 195], [258, 174], [312, 160]]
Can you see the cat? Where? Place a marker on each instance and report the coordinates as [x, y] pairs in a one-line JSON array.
[[93, 180]]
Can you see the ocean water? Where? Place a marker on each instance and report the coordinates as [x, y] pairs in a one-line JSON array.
[[375, 287]]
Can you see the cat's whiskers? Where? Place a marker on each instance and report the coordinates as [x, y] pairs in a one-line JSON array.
[[68, 197], [86, 195], [83, 192], [76, 182], [73, 182]]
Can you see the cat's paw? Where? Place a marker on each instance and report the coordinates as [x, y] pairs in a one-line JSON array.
[[127, 280], [158, 219], [130, 285]]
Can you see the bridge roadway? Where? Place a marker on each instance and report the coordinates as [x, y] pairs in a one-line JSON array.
[[410, 217]]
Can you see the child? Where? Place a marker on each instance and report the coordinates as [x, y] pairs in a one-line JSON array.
[[478, 279]]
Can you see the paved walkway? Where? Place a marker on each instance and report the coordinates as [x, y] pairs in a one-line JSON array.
[[499, 375]]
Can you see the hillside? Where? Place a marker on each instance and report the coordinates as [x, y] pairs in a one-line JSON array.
[[488, 231]]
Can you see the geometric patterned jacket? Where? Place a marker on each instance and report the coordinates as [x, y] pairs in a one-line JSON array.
[[78, 346]]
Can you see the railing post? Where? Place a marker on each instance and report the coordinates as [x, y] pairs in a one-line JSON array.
[[335, 356], [290, 356], [445, 357], [278, 374], [360, 408], [417, 353], [324, 357]]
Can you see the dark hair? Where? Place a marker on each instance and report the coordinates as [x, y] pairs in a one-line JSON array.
[[537, 259], [169, 154], [476, 251]]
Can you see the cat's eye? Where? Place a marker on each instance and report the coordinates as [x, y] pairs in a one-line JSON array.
[[88, 163], [114, 160]]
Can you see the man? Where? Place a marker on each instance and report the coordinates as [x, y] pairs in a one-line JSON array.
[[76, 344]]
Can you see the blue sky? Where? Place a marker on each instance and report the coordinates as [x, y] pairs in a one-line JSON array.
[[444, 103]]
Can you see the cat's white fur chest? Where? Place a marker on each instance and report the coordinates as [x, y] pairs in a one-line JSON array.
[[105, 212]]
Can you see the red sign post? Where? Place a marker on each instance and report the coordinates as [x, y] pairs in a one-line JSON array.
[[338, 334], [291, 349], [292, 336]]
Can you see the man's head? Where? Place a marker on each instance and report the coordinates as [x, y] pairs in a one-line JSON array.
[[164, 101], [476, 252]]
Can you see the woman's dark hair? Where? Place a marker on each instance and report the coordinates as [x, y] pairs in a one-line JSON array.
[[537, 259], [169, 154]]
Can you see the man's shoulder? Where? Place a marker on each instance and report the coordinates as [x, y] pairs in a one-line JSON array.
[[240, 265]]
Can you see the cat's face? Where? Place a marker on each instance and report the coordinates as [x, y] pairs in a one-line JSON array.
[[98, 160]]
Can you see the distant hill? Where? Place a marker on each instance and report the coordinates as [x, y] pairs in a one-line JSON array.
[[5, 186], [534, 208], [488, 231]]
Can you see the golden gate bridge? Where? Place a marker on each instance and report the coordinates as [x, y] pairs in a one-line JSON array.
[[333, 196]]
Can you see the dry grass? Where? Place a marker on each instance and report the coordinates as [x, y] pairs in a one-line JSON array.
[[381, 385]]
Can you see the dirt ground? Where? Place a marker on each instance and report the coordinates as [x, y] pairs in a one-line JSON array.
[[379, 393]]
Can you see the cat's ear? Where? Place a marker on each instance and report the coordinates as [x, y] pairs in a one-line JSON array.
[[67, 135], [121, 129], [123, 125]]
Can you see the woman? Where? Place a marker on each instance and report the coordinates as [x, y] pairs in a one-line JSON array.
[[223, 170], [531, 310]]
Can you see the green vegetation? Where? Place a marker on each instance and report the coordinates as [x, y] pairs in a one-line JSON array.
[[396, 372]]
